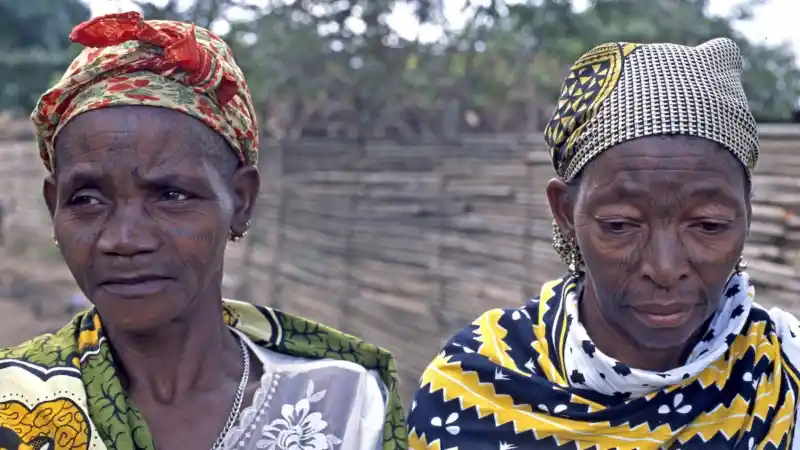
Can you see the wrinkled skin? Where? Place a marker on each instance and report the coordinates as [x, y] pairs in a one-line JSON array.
[[145, 191], [661, 223]]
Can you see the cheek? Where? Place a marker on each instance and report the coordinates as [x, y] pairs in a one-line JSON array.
[[595, 244], [75, 235], [606, 254], [713, 250], [76, 239], [199, 238], [714, 262]]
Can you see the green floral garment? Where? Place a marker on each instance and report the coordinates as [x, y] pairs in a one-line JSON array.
[[63, 389]]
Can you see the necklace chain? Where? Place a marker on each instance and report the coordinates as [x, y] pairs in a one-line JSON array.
[[237, 401]]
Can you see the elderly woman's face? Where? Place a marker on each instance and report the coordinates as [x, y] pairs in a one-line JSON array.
[[143, 201], [661, 223]]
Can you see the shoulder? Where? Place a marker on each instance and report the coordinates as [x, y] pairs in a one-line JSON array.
[[506, 329], [341, 374], [495, 346], [35, 367], [298, 336], [335, 369], [785, 322], [499, 341], [47, 351], [305, 344], [514, 326], [40, 379], [787, 328]]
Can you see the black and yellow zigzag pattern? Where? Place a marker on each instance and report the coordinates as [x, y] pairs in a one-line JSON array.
[[463, 379]]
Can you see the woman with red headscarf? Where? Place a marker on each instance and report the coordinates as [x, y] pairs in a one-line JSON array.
[[151, 144]]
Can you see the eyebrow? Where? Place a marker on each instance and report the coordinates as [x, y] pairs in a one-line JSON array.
[[621, 192], [160, 178], [713, 192], [80, 174]]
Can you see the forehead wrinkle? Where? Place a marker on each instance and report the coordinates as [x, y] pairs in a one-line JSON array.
[[188, 147], [170, 153], [635, 163], [674, 163], [171, 166], [174, 138], [78, 142], [207, 141], [168, 143], [162, 137], [663, 186]]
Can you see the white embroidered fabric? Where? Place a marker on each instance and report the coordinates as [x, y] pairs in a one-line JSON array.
[[306, 404]]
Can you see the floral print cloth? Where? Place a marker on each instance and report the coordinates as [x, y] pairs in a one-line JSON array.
[[63, 391], [304, 404], [130, 61]]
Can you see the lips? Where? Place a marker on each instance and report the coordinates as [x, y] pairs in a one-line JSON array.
[[663, 308], [136, 286], [672, 315]]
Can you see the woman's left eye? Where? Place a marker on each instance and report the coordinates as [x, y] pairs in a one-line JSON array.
[[711, 227], [174, 196]]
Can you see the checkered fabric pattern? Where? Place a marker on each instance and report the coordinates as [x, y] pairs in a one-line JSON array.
[[622, 91]]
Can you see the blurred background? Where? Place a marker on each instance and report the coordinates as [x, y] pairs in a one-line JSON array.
[[403, 166]]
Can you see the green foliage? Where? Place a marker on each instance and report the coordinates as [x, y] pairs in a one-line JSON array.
[[328, 67], [34, 47]]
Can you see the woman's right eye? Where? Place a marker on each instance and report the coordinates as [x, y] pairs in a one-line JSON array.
[[83, 200], [617, 226]]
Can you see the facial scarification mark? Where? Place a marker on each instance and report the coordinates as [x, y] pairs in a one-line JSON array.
[[657, 220], [178, 225]]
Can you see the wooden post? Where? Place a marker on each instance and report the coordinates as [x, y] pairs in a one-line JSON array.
[[276, 239], [528, 240], [438, 311], [350, 287]]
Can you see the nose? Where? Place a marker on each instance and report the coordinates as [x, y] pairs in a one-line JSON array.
[[664, 260], [129, 231]]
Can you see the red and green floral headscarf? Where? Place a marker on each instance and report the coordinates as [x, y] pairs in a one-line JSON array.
[[132, 61]]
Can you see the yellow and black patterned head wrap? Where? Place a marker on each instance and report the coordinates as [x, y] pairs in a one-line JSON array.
[[617, 92]]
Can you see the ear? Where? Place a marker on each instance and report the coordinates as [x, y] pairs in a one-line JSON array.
[[50, 193], [562, 205], [245, 183]]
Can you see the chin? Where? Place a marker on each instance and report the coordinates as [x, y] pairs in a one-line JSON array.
[[663, 339], [143, 315]]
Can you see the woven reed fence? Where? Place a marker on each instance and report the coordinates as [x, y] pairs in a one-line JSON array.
[[404, 244]]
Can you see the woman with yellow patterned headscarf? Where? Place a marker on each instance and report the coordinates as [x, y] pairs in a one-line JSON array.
[[151, 143], [653, 339]]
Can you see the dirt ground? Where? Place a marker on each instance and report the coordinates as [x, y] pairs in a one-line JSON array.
[[34, 296]]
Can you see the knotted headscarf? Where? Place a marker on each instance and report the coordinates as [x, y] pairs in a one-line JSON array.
[[130, 61], [618, 92]]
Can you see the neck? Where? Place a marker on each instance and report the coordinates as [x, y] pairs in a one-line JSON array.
[[194, 353], [617, 345]]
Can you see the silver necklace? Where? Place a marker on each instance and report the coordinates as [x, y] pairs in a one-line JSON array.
[[237, 401]]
